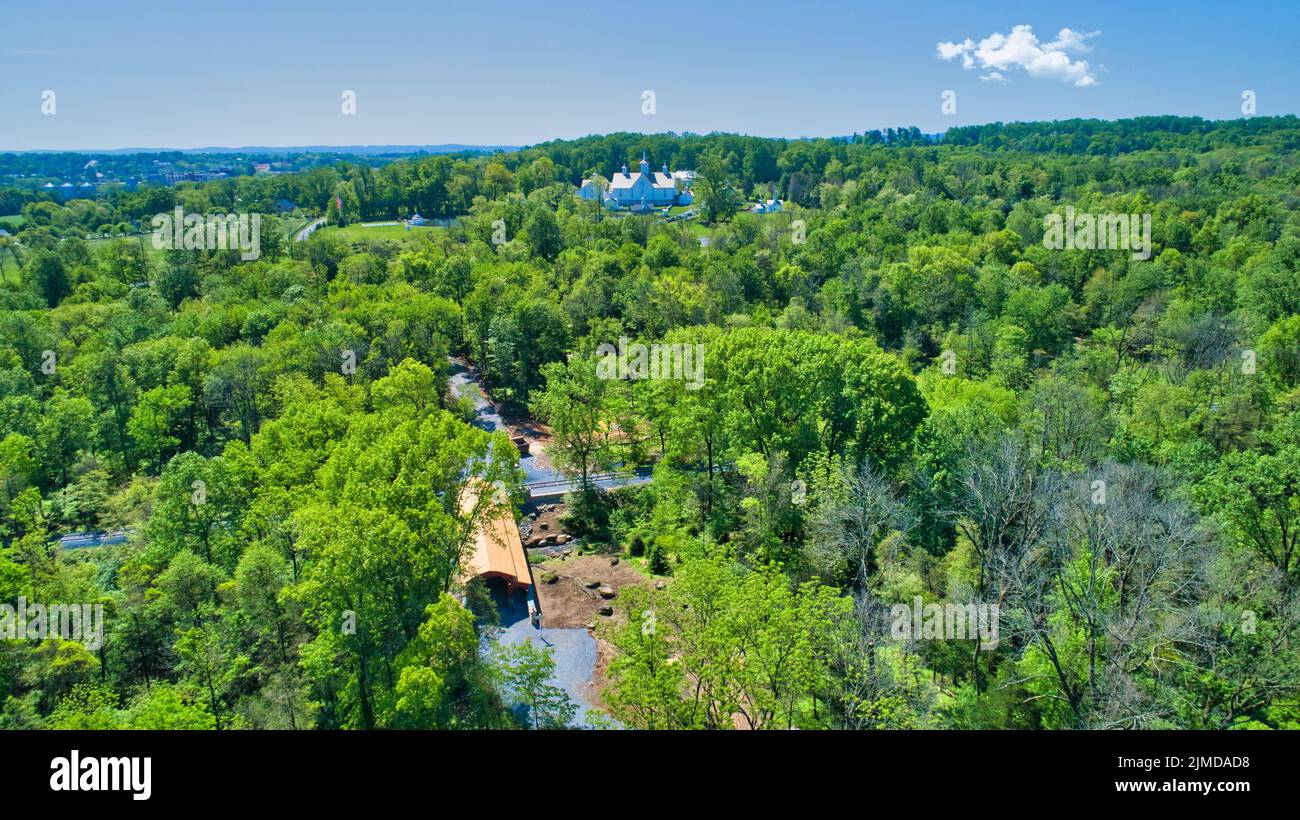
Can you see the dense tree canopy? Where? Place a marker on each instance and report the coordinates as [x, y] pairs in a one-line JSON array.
[[904, 396]]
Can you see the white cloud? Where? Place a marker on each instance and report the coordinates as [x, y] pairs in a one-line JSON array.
[[949, 50], [999, 53]]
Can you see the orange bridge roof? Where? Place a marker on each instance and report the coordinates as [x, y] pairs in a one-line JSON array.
[[498, 551]]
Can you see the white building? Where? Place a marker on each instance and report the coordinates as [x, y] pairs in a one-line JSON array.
[[652, 189], [641, 192], [591, 190]]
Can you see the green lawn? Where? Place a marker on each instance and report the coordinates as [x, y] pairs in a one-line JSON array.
[[698, 228], [364, 231]]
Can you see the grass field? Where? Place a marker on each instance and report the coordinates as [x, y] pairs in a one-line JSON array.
[[364, 231], [700, 229], [154, 254]]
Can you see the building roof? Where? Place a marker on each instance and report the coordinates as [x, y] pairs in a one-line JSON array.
[[498, 550], [628, 180]]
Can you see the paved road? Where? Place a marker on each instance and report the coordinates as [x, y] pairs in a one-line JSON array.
[[574, 652], [82, 540], [308, 230], [609, 481]]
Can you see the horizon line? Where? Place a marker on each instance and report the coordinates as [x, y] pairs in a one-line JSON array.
[[518, 147]]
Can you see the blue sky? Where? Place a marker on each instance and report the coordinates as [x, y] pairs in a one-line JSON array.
[[182, 74]]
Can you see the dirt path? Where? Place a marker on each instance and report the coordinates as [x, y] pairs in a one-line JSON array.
[[568, 599], [537, 435]]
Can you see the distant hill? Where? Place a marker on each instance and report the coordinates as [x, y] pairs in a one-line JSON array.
[[356, 150]]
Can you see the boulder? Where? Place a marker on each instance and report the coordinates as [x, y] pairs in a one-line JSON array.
[[606, 610], [591, 584], [613, 562], [607, 591]]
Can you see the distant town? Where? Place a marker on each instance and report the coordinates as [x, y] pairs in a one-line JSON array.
[[67, 175]]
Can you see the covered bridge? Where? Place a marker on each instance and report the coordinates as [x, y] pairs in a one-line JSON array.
[[498, 555]]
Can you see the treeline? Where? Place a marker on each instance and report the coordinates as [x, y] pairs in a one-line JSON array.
[[447, 185], [1111, 137]]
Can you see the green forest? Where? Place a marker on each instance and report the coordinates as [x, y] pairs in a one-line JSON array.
[[907, 398]]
